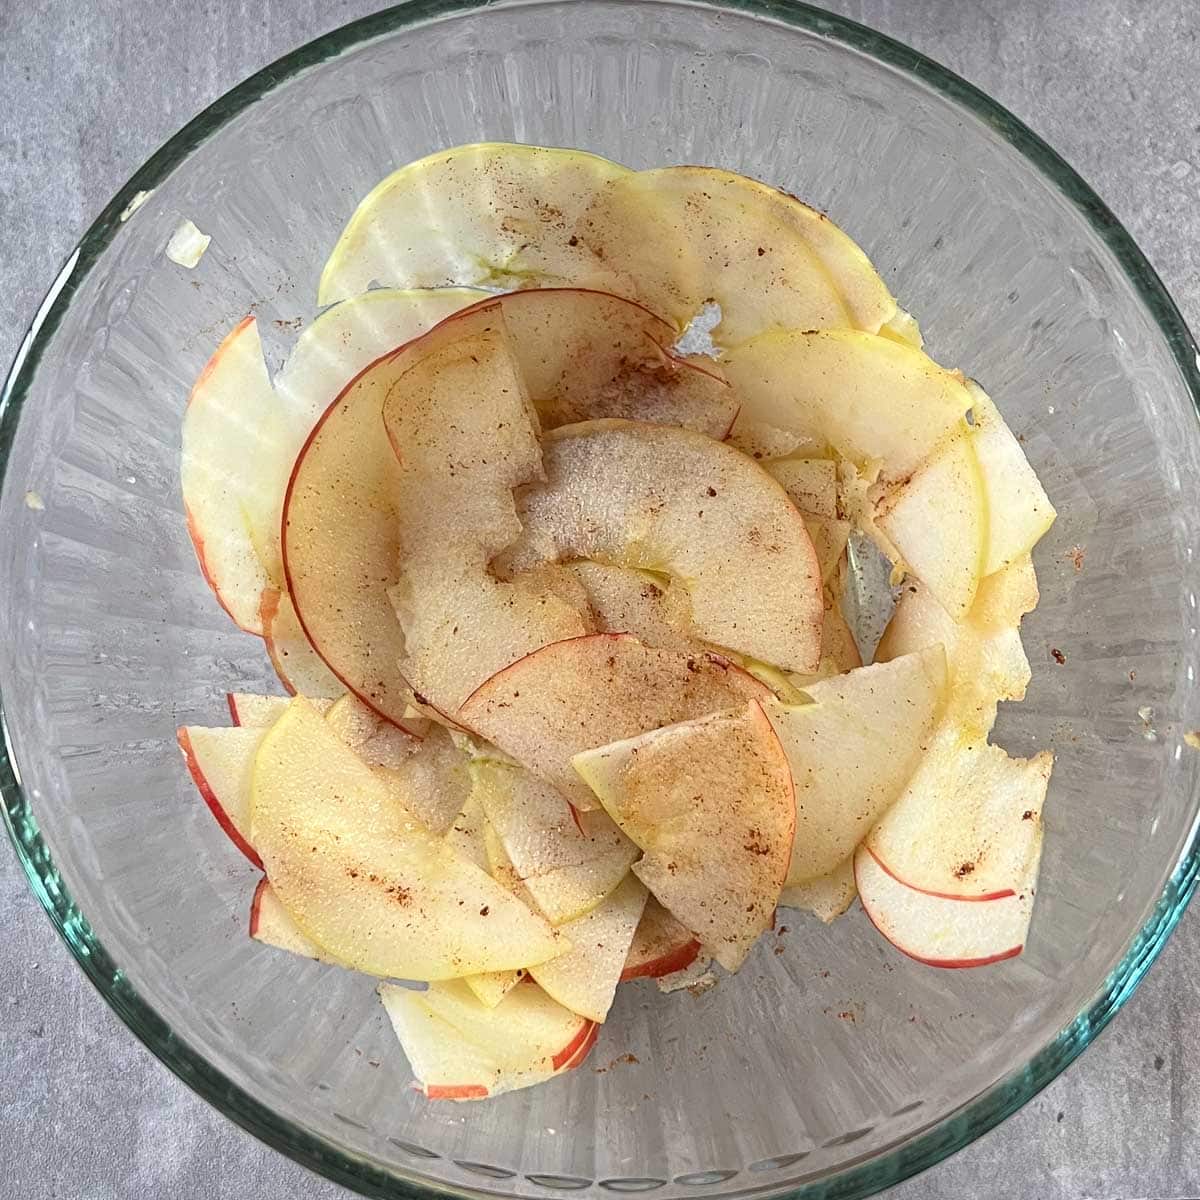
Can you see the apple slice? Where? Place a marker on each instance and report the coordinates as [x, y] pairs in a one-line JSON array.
[[492, 986], [271, 925], [459, 1049], [568, 863], [826, 896], [363, 880], [1019, 510], [852, 750], [941, 931], [938, 521], [811, 483], [624, 600], [495, 214], [301, 670], [687, 236], [969, 822], [585, 978], [712, 805], [660, 947], [258, 712], [873, 400], [673, 501], [589, 691], [220, 762], [233, 434]]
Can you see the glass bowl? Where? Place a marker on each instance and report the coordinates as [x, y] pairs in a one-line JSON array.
[[832, 1066]]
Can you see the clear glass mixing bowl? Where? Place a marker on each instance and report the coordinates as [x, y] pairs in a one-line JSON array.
[[834, 1067]]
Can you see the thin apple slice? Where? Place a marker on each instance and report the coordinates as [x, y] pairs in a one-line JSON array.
[[585, 978], [1020, 512], [938, 521], [811, 483], [826, 896], [495, 214], [492, 986], [589, 691], [873, 400], [231, 468], [686, 236], [852, 750], [568, 863], [301, 670], [271, 925], [459, 1049], [969, 822], [365, 881], [258, 712], [711, 804], [220, 762], [941, 931], [624, 600], [673, 501], [660, 947]]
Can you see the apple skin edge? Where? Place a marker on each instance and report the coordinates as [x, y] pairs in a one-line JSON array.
[[198, 546], [1000, 895], [256, 904], [666, 964], [214, 805]]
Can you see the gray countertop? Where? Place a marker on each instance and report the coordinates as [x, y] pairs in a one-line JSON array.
[[88, 91]]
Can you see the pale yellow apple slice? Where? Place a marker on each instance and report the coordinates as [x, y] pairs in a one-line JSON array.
[[827, 896], [711, 804], [673, 501], [661, 945], [686, 236], [938, 521], [853, 749], [650, 607], [234, 441], [873, 400], [568, 863], [301, 670], [459, 1049], [969, 821], [492, 213], [363, 880], [271, 925], [585, 978], [254, 711], [811, 483], [492, 986], [1019, 510], [589, 691], [220, 762]]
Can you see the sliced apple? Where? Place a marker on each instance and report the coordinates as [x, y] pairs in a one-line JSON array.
[[220, 762], [941, 931], [585, 978], [258, 712], [673, 501], [811, 483], [711, 804], [491, 987], [363, 880], [938, 521], [459, 1049], [871, 399], [684, 236], [826, 896], [567, 862], [495, 214], [589, 691], [301, 670], [623, 600], [660, 947], [233, 434], [852, 750], [271, 925], [969, 822], [1020, 511]]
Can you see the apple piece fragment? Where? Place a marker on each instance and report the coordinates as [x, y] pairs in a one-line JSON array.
[[676, 502], [827, 896], [852, 750], [301, 670], [271, 925], [363, 880], [660, 947], [253, 711], [492, 986], [811, 483], [1019, 510], [942, 931], [585, 978], [220, 762], [623, 600], [491, 213], [459, 1049], [232, 467], [968, 823], [711, 804], [584, 692]]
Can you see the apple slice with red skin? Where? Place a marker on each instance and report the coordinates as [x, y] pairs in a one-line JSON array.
[[588, 691], [301, 670], [943, 931], [271, 925], [220, 762], [661, 945]]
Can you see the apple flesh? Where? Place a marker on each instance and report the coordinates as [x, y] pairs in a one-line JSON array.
[[624, 600], [942, 931], [827, 896], [698, 511], [301, 670], [660, 947], [220, 762], [711, 804], [584, 692], [271, 925]]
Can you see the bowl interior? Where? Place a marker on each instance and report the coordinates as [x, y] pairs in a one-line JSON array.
[[830, 1053]]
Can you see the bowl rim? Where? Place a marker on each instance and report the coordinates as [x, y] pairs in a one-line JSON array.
[[906, 1158]]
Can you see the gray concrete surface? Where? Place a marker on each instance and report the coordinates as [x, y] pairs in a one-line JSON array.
[[88, 90]]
